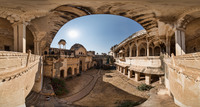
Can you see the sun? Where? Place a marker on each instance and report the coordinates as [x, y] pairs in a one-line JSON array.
[[73, 33]]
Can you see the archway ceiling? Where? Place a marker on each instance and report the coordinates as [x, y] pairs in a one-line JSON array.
[[145, 12]]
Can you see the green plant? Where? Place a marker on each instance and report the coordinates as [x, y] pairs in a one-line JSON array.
[[59, 86], [128, 103], [78, 74], [144, 87]]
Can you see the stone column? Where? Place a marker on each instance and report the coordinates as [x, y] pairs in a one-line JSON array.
[[168, 45], [130, 51], [137, 76], [137, 50], [125, 71], [147, 79], [114, 54], [180, 41], [160, 80], [147, 49], [153, 51], [20, 36], [130, 73], [36, 47], [73, 72], [122, 69]]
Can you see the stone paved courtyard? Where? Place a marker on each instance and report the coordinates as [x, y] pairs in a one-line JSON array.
[[104, 88]]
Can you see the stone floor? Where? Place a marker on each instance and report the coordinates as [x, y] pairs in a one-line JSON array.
[[105, 88]]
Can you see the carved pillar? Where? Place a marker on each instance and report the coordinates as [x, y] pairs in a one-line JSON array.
[[147, 49], [153, 51], [19, 29], [36, 47], [130, 51], [125, 71], [147, 79], [180, 41], [122, 69], [137, 50], [137, 76], [130, 73], [168, 45]]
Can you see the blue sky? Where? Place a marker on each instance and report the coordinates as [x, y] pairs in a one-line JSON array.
[[96, 32]]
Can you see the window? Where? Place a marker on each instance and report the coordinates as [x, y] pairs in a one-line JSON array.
[[6, 48]]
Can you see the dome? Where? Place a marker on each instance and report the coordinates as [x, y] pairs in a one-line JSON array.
[[77, 46]]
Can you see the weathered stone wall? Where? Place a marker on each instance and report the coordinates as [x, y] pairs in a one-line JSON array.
[[17, 78], [81, 50], [54, 66], [182, 79]]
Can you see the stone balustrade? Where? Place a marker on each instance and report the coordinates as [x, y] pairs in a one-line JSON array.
[[17, 77], [151, 61], [182, 79]]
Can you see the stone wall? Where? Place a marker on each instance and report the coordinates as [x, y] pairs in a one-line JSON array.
[[182, 79], [54, 65], [17, 77]]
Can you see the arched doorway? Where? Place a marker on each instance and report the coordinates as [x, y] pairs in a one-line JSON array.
[[6, 35], [29, 40], [62, 74], [75, 71], [142, 52], [69, 71]]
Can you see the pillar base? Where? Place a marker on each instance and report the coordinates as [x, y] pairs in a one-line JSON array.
[[137, 76], [148, 79], [125, 71], [130, 74]]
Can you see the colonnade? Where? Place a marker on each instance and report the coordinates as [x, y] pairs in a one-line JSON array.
[[20, 37], [125, 70]]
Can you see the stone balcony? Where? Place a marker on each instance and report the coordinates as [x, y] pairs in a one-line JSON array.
[[182, 78], [18, 74]]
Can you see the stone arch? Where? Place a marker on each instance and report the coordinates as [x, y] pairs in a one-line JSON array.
[[29, 40], [142, 52], [69, 71], [142, 48], [185, 17], [192, 36], [134, 51], [146, 18]]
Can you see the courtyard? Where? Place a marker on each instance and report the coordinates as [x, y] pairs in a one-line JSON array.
[[109, 88]]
